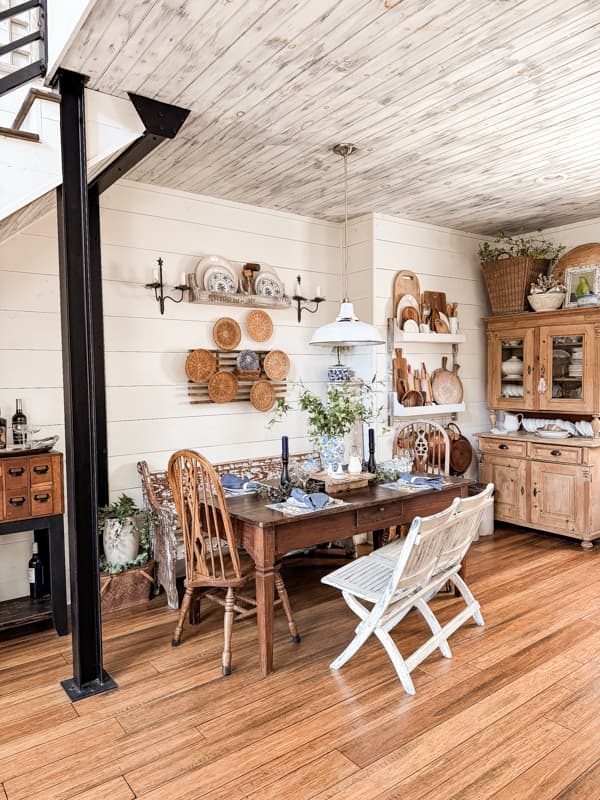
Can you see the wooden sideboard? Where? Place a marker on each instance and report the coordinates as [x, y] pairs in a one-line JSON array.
[[31, 498], [549, 485]]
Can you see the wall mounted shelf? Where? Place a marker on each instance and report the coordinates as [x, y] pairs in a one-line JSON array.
[[425, 411], [434, 338], [239, 300], [227, 360]]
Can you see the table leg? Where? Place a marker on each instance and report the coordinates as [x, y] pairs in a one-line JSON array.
[[56, 543], [265, 595]]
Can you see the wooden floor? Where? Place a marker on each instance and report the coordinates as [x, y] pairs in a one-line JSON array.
[[514, 715]]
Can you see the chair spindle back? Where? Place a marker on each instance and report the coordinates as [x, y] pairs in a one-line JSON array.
[[427, 443]]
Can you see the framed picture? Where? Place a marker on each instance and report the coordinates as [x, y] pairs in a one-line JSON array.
[[581, 280]]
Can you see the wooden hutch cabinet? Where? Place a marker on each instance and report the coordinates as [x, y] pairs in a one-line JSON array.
[[545, 365]]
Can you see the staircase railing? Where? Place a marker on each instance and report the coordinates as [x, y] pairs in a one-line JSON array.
[[36, 68]]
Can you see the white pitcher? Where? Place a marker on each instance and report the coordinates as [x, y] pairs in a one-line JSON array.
[[512, 422]]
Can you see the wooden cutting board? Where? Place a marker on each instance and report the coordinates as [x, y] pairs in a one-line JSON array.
[[446, 386], [436, 301], [405, 282]]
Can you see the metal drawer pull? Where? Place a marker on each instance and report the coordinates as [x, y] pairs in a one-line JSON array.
[[41, 470], [16, 501], [41, 498], [535, 492], [503, 446], [14, 472], [555, 452]]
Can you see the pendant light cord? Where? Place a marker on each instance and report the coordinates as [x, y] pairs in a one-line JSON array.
[[345, 226]]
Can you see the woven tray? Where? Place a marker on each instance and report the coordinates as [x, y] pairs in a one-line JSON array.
[[226, 333], [222, 387], [200, 365], [276, 365], [262, 395], [259, 326]]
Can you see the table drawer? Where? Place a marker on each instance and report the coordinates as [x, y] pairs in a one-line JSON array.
[[378, 517], [41, 470], [503, 447], [15, 474], [555, 452], [42, 501], [17, 505]]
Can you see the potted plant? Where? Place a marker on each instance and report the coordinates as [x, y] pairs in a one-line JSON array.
[[330, 418], [511, 264], [546, 294], [126, 566]]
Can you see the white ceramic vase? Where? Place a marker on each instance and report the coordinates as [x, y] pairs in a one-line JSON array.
[[121, 540], [512, 367]]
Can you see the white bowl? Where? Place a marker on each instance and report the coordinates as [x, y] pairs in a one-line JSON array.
[[549, 301]]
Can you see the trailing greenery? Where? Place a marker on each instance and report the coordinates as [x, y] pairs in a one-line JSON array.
[[121, 510], [506, 245], [335, 415]]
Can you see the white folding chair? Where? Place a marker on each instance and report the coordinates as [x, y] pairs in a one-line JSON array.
[[406, 574]]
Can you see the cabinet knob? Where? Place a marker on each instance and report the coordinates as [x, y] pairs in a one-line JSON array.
[[382, 509], [555, 453], [502, 447], [14, 472]]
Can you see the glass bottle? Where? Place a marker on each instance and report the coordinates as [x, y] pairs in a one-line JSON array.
[[36, 574], [19, 424]]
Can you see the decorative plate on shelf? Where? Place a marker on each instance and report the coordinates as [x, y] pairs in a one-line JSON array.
[[247, 361], [210, 262], [259, 325], [262, 395], [217, 279], [222, 387], [226, 333], [552, 434], [276, 365], [200, 365], [267, 284]]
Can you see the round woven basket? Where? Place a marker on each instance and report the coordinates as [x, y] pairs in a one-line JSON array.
[[584, 255], [226, 333], [262, 396], [276, 365], [200, 365], [222, 387], [508, 281], [259, 325]]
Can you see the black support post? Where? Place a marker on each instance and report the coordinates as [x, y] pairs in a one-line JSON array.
[[79, 303]]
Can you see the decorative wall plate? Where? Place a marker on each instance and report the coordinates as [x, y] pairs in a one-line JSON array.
[[262, 396], [276, 365], [267, 284], [226, 333], [259, 325], [200, 365], [248, 360], [222, 387], [208, 262], [218, 279]]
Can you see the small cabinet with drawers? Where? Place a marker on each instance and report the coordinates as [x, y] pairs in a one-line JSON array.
[[545, 485], [30, 486]]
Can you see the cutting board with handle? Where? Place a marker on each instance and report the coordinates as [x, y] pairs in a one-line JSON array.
[[436, 301], [446, 386], [405, 282], [401, 378]]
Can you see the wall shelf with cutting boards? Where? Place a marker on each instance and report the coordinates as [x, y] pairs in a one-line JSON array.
[[418, 392]]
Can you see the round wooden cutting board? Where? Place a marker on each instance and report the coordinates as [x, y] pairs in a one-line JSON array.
[[446, 386]]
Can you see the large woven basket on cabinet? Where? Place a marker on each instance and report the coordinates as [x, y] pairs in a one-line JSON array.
[[508, 281]]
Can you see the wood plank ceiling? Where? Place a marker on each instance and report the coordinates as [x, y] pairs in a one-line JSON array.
[[469, 114]]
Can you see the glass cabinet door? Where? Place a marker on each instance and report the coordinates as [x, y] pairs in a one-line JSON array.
[[511, 366], [567, 378]]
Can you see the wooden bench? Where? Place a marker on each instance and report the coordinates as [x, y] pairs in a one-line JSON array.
[[167, 535]]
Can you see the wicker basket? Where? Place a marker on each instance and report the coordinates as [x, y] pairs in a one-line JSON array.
[[508, 280], [128, 588]]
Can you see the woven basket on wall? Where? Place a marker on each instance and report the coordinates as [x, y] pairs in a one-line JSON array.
[[508, 280]]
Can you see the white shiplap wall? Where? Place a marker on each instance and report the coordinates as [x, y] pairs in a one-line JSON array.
[[148, 410]]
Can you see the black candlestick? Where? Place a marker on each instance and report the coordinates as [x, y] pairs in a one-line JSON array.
[[285, 477], [371, 465]]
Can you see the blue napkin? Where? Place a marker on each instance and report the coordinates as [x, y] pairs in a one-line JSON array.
[[230, 481], [315, 500], [433, 482]]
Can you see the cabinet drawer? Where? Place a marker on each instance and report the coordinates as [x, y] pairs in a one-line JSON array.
[[40, 470], [503, 447], [15, 474], [378, 517], [17, 505], [556, 453], [42, 501]]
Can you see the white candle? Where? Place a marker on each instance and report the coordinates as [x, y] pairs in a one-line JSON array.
[[318, 294], [298, 288], [183, 279], [155, 276]]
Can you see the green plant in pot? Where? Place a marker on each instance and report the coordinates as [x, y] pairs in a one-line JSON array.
[[125, 532], [507, 246], [330, 418]]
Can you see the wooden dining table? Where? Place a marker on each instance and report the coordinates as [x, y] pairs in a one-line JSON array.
[[266, 534]]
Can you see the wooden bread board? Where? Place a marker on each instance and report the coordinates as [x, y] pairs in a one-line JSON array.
[[405, 282], [345, 484], [436, 301], [446, 386]]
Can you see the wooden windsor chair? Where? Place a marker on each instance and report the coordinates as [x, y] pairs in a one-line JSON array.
[[212, 562], [407, 574]]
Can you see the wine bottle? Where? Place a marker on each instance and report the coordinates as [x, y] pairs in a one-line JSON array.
[[36, 575], [2, 431], [285, 454], [371, 465], [19, 423]]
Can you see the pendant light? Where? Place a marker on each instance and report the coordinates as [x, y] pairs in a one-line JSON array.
[[347, 328]]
